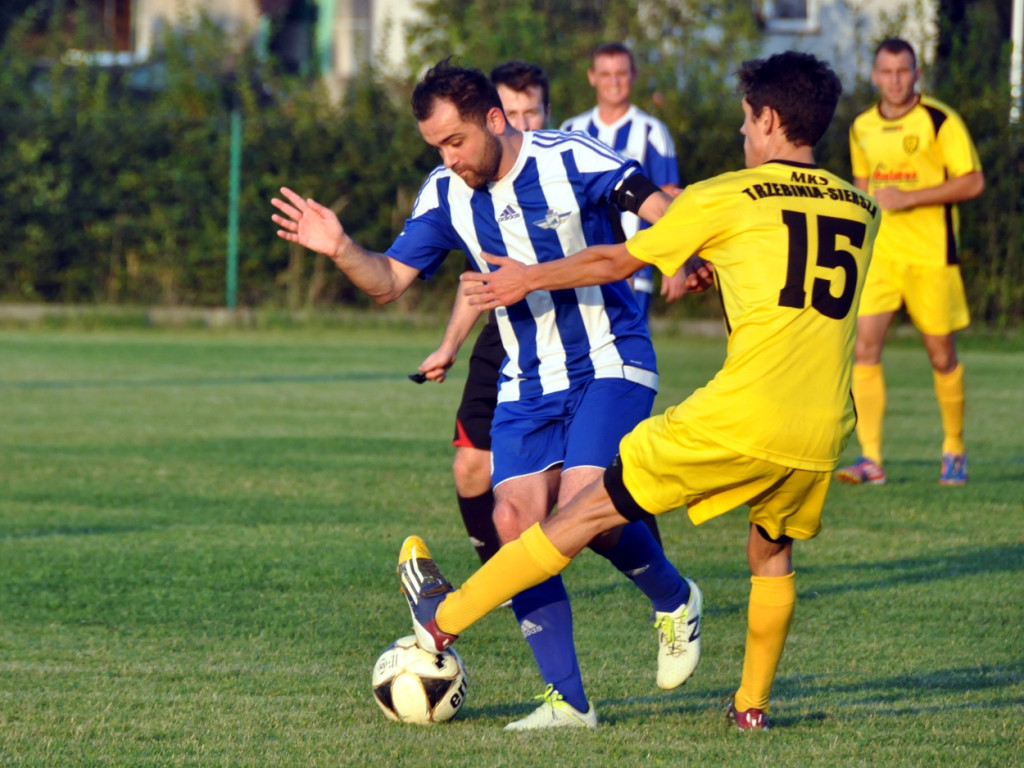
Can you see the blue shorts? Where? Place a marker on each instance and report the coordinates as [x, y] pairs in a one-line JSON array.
[[579, 427]]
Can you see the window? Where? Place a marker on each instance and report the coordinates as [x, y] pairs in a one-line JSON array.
[[789, 16], [109, 23]]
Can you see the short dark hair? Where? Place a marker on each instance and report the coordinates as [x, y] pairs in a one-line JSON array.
[[802, 88], [520, 75], [469, 90], [613, 49], [897, 45]]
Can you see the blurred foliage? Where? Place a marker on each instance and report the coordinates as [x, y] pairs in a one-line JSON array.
[[973, 79], [115, 180], [686, 51]]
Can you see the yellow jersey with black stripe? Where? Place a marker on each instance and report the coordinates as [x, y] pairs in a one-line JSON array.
[[790, 244], [923, 148]]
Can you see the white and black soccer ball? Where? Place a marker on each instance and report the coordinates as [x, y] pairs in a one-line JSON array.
[[415, 686]]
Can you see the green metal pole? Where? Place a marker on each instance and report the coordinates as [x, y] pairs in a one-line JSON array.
[[234, 192], [324, 36]]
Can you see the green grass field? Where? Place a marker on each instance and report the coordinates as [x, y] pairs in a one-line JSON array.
[[198, 533]]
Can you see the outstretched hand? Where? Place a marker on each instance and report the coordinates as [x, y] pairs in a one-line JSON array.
[[499, 288], [306, 222]]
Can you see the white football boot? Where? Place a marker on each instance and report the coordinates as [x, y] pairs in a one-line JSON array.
[[555, 712], [679, 640]]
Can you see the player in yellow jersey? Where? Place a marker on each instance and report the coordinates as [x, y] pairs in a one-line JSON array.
[[915, 156], [790, 244]]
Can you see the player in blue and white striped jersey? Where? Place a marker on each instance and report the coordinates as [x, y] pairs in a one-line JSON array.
[[633, 134], [581, 368], [547, 207]]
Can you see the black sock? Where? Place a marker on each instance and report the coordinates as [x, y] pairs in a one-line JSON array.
[[478, 517]]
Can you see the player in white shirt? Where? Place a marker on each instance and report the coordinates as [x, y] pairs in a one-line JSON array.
[[634, 134]]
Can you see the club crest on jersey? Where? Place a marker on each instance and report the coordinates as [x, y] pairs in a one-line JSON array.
[[910, 144], [508, 214], [552, 219]]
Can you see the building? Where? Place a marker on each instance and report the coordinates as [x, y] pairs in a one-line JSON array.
[[844, 32], [337, 37], [334, 37]]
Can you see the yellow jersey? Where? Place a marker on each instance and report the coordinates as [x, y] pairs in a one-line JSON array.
[[923, 148], [790, 244]]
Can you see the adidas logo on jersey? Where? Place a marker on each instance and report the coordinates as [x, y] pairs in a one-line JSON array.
[[529, 628], [508, 214]]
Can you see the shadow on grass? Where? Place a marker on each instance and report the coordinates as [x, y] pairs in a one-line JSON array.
[[202, 382], [938, 691], [916, 570], [878, 574], [632, 710], [85, 530], [899, 696]]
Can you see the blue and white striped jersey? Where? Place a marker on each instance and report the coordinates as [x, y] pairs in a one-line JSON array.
[[552, 204], [638, 136]]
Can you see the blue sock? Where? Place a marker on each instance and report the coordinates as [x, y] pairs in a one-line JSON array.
[[545, 619], [640, 558]]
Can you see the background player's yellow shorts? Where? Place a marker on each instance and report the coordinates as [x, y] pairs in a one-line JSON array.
[[666, 466], [934, 296]]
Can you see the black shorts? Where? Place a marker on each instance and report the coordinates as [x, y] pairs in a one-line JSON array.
[[480, 395]]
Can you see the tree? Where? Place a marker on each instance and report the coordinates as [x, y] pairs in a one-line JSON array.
[[685, 50]]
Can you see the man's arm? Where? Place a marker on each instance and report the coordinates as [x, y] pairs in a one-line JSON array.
[[313, 226], [596, 265], [674, 287], [638, 194], [654, 207], [966, 187], [463, 318]]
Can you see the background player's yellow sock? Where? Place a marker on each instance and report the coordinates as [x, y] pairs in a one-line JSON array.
[[949, 391], [769, 612], [522, 563], [869, 397]]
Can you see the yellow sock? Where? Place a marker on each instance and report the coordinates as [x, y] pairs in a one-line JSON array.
[[769, 612], [869, 397], [518, 565], [949, 390]]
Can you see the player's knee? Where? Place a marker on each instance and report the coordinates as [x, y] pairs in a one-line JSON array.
[[868, 351], [943, 361], [472, 472], [510, 522], [506, 523], [768, 555], [871, 333]]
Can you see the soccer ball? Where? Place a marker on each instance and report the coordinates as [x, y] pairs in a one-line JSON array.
[[415, 686]]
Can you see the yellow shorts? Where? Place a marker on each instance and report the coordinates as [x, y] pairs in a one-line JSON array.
[[666, 466], [934, 296]]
